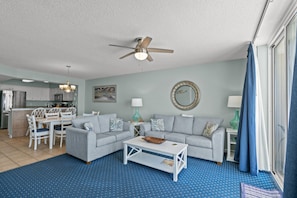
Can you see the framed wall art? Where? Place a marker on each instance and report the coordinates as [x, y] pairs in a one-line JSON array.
[[105, 93]]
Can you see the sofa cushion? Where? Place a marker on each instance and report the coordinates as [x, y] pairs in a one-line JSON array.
[[157, 124], [183, 125], [105, 138], [200, 123], [209, 129], [199, 141], [176, 137], [168, 121], [79, 122], [158, 134], [121, 135], [104, 121], [116, 124]]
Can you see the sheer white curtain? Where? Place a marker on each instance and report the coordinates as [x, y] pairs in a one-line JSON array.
[[261, 130]]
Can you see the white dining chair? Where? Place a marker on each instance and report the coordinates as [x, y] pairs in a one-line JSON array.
[[52, 115], [54, 110], [60, 131], [36, 134], [71, 109], [38, 113]]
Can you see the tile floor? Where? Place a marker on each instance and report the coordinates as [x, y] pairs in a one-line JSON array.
[[14, 152]]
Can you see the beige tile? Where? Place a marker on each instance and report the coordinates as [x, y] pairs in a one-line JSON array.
[[14, 152]]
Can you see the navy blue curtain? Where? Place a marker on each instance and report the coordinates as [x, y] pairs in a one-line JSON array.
[[290, 183], [245, 152]]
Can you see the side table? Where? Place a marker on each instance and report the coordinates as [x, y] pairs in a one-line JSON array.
[[136, 128], [231, 143]]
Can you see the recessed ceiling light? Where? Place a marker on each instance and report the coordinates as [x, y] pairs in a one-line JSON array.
[[27, 80], [45, 81]]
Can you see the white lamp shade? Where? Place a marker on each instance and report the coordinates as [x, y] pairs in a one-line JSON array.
[[234, 101], [136, 102]]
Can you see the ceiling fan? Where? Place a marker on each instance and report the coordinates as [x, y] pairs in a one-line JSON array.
[[141, 51]]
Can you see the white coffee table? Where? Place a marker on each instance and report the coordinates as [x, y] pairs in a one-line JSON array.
[[174, 163]]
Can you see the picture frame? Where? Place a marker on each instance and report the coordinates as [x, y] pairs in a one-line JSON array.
[[105, 93]]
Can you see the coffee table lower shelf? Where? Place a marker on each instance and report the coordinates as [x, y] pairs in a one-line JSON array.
[[154, 161]]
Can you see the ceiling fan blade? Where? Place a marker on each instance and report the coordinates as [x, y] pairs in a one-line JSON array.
[[160, 50], [121, 46], [149, 58], [127, 55], [146, 41]]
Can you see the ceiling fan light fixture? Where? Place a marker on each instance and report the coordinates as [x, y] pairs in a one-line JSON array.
[[140, 54]]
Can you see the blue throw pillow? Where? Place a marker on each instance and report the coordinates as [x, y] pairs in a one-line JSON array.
[[157, 124], [116, 124], [88, 126]]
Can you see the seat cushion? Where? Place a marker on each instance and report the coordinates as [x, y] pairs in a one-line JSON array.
[[183, 124], [158, 134], [200, 123], [199, 141], [121, 135], [176, 137], [167, 119], [79, 122], [104, 138]]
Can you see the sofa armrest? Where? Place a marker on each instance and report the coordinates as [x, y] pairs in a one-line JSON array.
[[145, 127], [80, 142], [218, 138]]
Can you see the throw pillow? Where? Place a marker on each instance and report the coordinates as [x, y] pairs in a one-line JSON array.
[[88, 126], [116, 124], [209, 129], [157, 124]]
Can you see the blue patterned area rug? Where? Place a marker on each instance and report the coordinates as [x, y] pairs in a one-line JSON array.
[[66, 176], [248, 191]]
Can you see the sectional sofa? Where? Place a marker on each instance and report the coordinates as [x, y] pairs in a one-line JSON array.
[[91, 137], [204, 135]]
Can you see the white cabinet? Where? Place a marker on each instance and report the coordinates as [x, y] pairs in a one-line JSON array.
[[231, 143], [38, 93]]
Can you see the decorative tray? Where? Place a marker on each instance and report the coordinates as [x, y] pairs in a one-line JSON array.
[[154, 140]]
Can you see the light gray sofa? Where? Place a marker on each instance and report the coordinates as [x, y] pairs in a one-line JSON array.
[[189, 130], [91, 137]]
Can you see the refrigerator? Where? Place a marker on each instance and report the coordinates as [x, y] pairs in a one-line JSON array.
[[10, 99]]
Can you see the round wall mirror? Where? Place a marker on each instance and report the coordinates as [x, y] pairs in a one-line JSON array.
[[185, 95]]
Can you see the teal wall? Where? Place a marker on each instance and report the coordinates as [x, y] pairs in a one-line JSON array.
[[39, 76], [216, 82]]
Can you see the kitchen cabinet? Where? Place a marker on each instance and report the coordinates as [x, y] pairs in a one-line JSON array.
[[38, 93], [66, 96]]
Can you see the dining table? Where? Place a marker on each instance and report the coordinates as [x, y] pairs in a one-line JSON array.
[[51, 122]]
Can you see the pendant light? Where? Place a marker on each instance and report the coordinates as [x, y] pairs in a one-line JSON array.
[[67, 87]]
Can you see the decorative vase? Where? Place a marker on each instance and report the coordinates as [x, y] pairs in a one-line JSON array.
[[235, 121], [136, 117]]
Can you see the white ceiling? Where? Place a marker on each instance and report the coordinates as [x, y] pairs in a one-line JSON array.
[[46, 36]]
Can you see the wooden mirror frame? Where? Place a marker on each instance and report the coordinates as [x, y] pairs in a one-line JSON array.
[[195, 101]]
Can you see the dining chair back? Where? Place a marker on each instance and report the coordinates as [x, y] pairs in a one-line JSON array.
[[71, 109], [36, 134], [95, 112], [54, 110], [52, 115], [38, 113], [60, 131]]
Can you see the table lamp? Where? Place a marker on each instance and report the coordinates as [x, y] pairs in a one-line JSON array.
[[136, 103], [234, 102]]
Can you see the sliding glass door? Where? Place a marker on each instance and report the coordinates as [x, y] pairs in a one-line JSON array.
[[280, 108], [283, 54]]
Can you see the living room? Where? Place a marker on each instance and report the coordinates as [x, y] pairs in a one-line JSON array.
[[216, 80]]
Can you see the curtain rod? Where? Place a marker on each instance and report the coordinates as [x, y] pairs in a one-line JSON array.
[[261, 19]]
